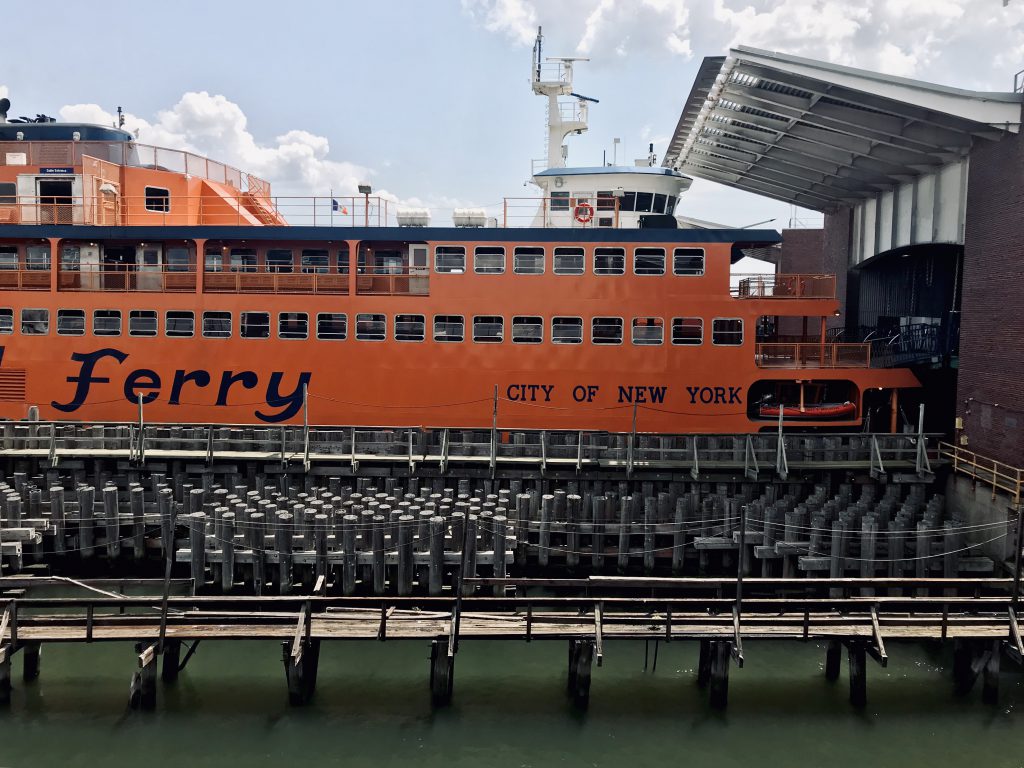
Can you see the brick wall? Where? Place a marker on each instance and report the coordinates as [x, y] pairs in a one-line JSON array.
[[836, 250], [990, 392]]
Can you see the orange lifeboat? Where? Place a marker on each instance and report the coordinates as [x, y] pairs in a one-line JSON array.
[[814, 412]]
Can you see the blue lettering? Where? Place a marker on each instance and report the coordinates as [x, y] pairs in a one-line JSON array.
[[692, 391], [734, 395], [85, 379], [144, 378], [657, 394], [625, 394], [548, 388], [512, 392], [289, 404], [247, 379], [201, 378]]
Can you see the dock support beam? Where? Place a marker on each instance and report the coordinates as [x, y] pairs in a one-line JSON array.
[[857, 655], [721, 658], [143, 686], [704, 664], [30, 661], [172, 661], [442, 673], [990, 675], [581, 661], [5, 674], [833, 660], [300, 670]]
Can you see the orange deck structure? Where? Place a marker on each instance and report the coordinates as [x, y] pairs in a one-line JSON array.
[[138, 277]]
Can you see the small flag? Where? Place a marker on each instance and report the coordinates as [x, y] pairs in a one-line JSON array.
[[336, 206]]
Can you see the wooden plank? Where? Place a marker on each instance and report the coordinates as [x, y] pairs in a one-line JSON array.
[[1016, 648], [877, 651], [453, 636], [5, 620], [300, 629], [737, 637], [598, 633]]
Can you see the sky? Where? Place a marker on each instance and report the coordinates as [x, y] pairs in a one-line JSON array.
[[429, 101]]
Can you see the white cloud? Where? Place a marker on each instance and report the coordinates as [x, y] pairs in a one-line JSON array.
[[516, 19]]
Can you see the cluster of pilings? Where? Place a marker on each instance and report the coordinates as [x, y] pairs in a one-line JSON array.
[[405, 535]]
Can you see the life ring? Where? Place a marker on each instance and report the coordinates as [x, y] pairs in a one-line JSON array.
[[584, 213]]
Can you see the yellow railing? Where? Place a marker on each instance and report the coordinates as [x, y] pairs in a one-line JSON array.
[[995, 474], [813, 355], [786, 287]]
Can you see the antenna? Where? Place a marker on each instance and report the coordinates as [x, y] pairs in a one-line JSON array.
[[537, 44]]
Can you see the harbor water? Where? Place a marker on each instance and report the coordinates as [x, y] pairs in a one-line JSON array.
[[372, 708]]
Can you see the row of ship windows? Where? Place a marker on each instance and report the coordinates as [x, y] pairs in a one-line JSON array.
[[530, 260], [525, 329]]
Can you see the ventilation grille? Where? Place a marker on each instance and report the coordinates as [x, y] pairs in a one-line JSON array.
[[12, 385]]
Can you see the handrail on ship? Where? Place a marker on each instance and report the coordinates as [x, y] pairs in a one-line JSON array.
[[784, 286], [813, 355]]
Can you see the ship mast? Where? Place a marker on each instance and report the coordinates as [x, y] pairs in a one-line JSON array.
[[565, 116]]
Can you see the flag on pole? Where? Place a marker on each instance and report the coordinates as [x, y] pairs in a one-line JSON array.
[[336, 206]]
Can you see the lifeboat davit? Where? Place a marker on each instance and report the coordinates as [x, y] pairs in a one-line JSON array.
[[814, 412]]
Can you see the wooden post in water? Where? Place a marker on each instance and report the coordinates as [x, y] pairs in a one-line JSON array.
[[721, 658], [406, 565], [136, 498], [833, 659], [283, 534], [110, 515], [86, 521], [31, 653], [348, 568], [500, 532], [581, 658], [442, 672], [436, 569], [857, 653], [379, 572]]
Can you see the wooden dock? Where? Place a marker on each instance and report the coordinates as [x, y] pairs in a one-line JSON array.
[[979, 616]]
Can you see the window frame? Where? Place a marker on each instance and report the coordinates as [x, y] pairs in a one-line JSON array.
[[63, 313], [140, 314], [244, 323], [659, 324], [608, 248], [489, 270], [105, 333], [582, 255], [664, 260], [622, 331], [567, 343], [450, 271], [423, 325], [437, 340], [543, 259], [6, 312], [720, 344], [383, 319], [231, 324], [282, 268], [175, 334], [672, 332], [302, 318], [539, 323], [165, 198], [344, 321], [12, 197], [488, 319], [703, 262]]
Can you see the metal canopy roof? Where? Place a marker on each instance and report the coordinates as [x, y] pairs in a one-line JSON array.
[[821, 135]]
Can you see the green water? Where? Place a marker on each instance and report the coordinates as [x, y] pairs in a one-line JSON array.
[[372, 708]]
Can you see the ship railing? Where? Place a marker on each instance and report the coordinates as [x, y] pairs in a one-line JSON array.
[[784, 286], [511, 448], [390, 281], [241, 209], [128, 153], [275, 282], [813, 355], [25, 279], [133, 279], [584, 212]]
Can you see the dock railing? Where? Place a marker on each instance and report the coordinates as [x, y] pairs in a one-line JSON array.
[[995, 474], [783, 286]]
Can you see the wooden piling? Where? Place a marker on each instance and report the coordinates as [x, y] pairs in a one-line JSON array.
[[442, 673], [348, 569], [31, 653], [406, 566], [721, 659], [833, 659], [857, 656], [136, 499]]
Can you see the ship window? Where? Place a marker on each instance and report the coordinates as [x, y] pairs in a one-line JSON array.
[[727, 331], [142, 322], [688, 262], [643, 201], [671, 207], [214, 260], [410, 327], [280, 260], [568, 261], [106, 322], [70, 258], [37, 257], [179, 260], [343, 260], [489, 329], [648, 331], [527, 329], [179, 324], [489, 260], [217, 325], [8, 257], [528, 260], [449, 328], [649, 261], [255, 325], [314, 261], [8, 193], [243, 259], [292, 325], [158, 199], [450, 258], [331, 325], [659, 202], [628, 202], [35, 322], [6, 320], [559, 201], [70, 322], [687, 331], [567, 330], [605, 201], [609, 261], [371, 327], [606, 330]]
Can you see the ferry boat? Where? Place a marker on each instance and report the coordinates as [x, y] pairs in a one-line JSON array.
[[142, 279]]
